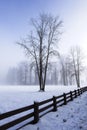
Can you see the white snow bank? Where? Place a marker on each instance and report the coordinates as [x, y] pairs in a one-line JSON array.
[[72, 116], [13, 97]]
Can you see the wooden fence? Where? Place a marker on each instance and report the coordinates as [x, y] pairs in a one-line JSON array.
[[31, 114]]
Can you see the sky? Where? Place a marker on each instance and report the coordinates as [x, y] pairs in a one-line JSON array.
[[15, 24]]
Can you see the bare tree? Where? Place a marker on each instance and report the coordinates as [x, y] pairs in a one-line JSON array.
[[63, 63], [41, 44], [22, 73], [11, 77], [67, 70], [76, 59]]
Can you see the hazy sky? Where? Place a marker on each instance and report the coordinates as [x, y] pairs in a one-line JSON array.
[[14, 24]]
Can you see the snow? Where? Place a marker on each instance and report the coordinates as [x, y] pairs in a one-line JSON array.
[[72, 116], [13, 97]]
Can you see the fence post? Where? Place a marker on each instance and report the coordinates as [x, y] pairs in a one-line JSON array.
[[86, 88], [81, 90], [75, 94], [54, 104], [36, 112], [78, 92], [71, 95], [65, 102]]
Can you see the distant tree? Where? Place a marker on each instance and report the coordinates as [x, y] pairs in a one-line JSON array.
[[55, 76], [63, 69], [76, 59], [11, 77], [36, 76], [41, 44], [67, 71], [22, 73], [25, 69]]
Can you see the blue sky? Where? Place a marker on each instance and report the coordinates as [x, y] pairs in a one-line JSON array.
[[14, 24]]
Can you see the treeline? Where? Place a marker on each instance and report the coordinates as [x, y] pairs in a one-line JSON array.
[[26, 74], [66, 71]]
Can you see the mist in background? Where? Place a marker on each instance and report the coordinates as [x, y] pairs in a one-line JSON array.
[[15, 24]]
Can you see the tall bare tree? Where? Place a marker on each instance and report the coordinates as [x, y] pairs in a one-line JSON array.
[[63, 70], [76, 59], [41, 44]]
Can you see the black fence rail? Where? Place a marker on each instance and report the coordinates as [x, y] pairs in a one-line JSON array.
[[31, 114]]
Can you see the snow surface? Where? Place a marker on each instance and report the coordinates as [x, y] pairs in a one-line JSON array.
[[13, 97], [72, 116]]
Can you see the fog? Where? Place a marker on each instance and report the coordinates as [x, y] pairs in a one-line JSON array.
[[14, 25]]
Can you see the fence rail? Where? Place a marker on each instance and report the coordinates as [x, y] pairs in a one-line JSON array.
[[35, 111]]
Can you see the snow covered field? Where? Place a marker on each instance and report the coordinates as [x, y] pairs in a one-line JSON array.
[[13, 97], [72, 116]]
